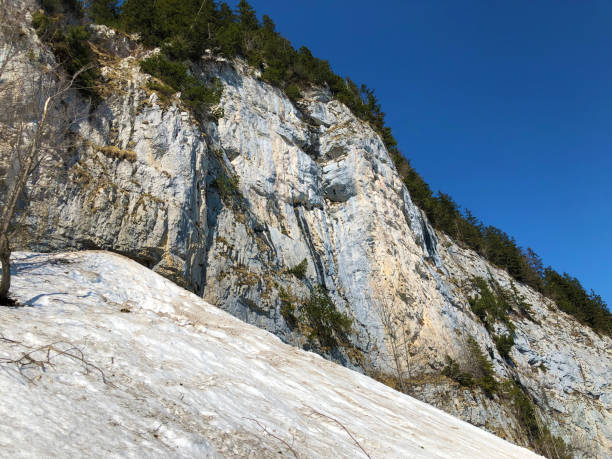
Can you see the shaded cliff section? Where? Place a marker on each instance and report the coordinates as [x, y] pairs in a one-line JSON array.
[[228, 207]]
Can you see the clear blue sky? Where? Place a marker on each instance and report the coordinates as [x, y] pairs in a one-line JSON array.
[[505, 105]]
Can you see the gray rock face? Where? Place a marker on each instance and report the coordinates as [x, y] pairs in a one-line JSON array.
[[124, 191], [226, 208]]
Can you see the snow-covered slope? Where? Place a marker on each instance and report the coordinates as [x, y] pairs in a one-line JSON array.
[[138, 367]]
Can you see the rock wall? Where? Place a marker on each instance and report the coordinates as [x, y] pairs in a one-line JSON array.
[[227, 207]]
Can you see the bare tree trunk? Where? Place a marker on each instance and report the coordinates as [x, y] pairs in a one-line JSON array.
[[5, 259], [34, 125], [27, 167], [387, 321], [8, 212], [406, 350]]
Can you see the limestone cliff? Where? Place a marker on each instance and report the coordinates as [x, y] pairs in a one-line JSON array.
[[226, 208]]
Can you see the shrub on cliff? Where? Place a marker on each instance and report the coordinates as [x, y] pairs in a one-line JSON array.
[[325, 322], [538, 434], [70, 44], [489, 305], [62, 7], [482, 368], [198, 96], [288, 308], [453, 371], [103, 11], [227, 185], [504, 344], [299, 270], [477, 369]]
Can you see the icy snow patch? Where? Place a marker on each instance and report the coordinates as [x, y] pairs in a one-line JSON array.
[[164, 374]]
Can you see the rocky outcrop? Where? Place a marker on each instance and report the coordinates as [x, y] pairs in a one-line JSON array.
[[227, 207]]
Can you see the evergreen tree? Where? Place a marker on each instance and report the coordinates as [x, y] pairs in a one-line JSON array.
[[103, 11], [535, 262], [54, 7], [139, 16], [225, 15], [470, 233], [229, 39], [205, 24], [246, 15], [268, 25]]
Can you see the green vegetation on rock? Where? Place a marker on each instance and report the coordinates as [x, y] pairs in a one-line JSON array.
[[196, 95], [70, 43], [490, 306], [504, 343], [227, 185], [299, 270], [477, 372], [317, 317], [539, 436], [495, 304], [326, 323], [288, 308]]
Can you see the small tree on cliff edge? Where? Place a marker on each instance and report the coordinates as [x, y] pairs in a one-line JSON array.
[[103, 11], [33, 129]]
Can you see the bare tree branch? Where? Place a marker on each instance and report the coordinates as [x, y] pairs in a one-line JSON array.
[[42, 356], [36, 127], [315, 412], [385, 314], [267, 432]]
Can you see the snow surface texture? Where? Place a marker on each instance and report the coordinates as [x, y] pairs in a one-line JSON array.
[[164, 374]]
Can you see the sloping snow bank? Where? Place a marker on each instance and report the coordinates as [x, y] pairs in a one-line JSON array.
[[184, 379]]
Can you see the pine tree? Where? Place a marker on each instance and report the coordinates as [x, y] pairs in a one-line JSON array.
[[139, 16], [205, 24], [535, 262], [103, 11], [268, 25], [247, 16], [225, 15]]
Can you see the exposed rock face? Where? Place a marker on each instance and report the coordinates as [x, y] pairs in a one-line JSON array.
[[313, 182]]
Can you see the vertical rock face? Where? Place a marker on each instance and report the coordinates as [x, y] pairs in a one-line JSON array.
[[134, 183], [322, 187], [227, 208]]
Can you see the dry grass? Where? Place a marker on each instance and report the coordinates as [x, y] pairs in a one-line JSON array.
[[246, 277], [112, 151]]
